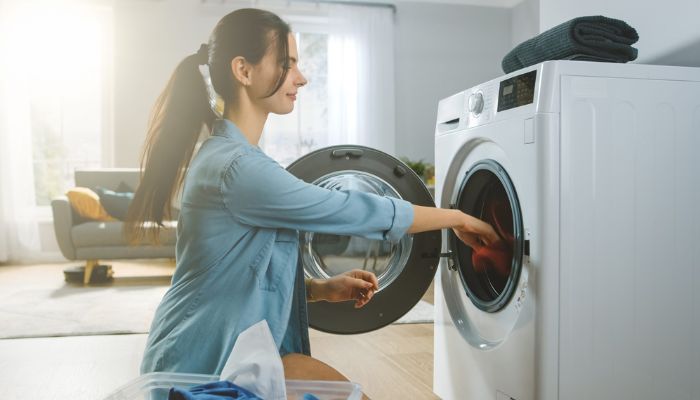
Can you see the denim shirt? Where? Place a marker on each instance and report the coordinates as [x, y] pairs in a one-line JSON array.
[[237, 252]]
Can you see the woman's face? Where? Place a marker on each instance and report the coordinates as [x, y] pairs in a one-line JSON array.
[[268, 71]]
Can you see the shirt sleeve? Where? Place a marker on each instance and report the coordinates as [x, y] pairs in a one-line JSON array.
[[257, 191]]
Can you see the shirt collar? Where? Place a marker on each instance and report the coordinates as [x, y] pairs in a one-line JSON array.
[[226, 128]]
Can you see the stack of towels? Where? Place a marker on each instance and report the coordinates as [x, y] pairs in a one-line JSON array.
[[594, 38]]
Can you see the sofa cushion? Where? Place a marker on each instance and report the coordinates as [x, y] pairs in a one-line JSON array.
[[87, 203], [116, 203], [110, 234], [124, 187]]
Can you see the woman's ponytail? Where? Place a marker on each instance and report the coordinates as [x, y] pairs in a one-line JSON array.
[[184, 106], [174, 127]]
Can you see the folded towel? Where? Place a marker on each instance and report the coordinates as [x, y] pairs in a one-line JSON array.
[[594, 38]]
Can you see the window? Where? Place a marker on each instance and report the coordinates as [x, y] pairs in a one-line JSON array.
[[288, 137], [65, 52]]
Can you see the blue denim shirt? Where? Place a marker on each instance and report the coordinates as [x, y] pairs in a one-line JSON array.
[[237, 252]]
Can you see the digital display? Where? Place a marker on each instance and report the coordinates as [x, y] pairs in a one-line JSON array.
[[517, 91]]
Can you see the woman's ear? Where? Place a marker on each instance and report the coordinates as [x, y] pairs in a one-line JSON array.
[[241, 70]]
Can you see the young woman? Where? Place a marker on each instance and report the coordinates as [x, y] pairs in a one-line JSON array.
[[237, 234]]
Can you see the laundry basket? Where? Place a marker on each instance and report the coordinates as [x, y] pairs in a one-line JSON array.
[[156, 385]]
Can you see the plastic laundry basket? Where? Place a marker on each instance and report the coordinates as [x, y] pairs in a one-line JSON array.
[[156, 385]]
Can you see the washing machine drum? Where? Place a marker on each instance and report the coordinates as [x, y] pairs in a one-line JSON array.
[[490, 273]]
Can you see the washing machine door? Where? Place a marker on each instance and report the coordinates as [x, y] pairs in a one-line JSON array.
[[480, 283], [404, 270]]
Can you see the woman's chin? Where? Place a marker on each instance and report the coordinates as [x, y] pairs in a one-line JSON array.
[[284, 110]]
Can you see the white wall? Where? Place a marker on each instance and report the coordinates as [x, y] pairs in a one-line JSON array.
[[525, 21], [151, 38], [440, 50], [664, 27]]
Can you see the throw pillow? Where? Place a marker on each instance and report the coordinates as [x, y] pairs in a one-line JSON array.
[[124, 187], [87, 203], [116, 203]]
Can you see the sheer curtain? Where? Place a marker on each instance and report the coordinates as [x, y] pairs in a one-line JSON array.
[[361, 76], [19, 231], [52, 113], [347, 54]]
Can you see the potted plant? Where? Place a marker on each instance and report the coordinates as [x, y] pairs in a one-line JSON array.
[[425, 171]]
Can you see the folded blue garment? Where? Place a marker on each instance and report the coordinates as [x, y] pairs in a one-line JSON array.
[[221, 390], [592, 38]]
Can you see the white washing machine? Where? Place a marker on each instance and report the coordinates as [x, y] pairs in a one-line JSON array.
[[591, 174]]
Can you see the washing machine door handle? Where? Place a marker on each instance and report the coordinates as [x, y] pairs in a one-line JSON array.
[[450, 258], [347, 153]]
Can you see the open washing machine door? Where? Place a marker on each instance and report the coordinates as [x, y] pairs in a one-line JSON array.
[[404, 270], [479, 285]]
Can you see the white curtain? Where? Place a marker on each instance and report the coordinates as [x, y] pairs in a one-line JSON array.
[[361, 76], [19, 230], [51, 110]]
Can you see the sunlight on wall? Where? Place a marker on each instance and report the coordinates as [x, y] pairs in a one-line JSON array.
[[58, 72], [56, 43]]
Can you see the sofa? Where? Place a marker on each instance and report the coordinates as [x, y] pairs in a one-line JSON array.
[[91, 241]]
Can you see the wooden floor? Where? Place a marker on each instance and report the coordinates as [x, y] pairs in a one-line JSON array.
[[395, 362], [391, 363]]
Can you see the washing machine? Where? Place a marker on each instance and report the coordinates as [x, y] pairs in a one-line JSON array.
[[590, 173]]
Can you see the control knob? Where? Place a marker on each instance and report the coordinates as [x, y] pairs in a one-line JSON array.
[[476, 103]]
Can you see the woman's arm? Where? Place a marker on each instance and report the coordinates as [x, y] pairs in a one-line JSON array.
[[258, 192], [470, 230]]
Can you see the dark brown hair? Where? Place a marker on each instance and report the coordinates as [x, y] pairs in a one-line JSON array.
[[183, 108]]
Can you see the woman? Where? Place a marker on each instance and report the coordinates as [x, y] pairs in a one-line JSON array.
[[241, 211]]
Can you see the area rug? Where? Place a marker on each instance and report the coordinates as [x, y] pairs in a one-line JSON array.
[[36, 302]]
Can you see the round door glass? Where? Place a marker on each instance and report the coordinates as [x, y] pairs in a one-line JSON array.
[[326, 255], [490, 273]]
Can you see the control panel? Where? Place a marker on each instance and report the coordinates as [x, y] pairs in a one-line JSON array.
[[483, 104], [517, 91]]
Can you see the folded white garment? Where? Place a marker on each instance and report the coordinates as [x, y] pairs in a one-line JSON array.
[[255, 363]]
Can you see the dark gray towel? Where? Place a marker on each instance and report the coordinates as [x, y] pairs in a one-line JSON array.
[[594, 38]]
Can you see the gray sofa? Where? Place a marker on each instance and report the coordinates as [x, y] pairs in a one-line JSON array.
[[91, 241]]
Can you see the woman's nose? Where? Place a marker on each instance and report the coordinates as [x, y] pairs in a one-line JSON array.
[[301, 80]]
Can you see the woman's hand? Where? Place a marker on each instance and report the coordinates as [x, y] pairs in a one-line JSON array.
[[355, 285], [475, 232], [472, 231]]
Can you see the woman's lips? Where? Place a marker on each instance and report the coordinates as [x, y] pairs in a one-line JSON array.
[[292, 95]]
